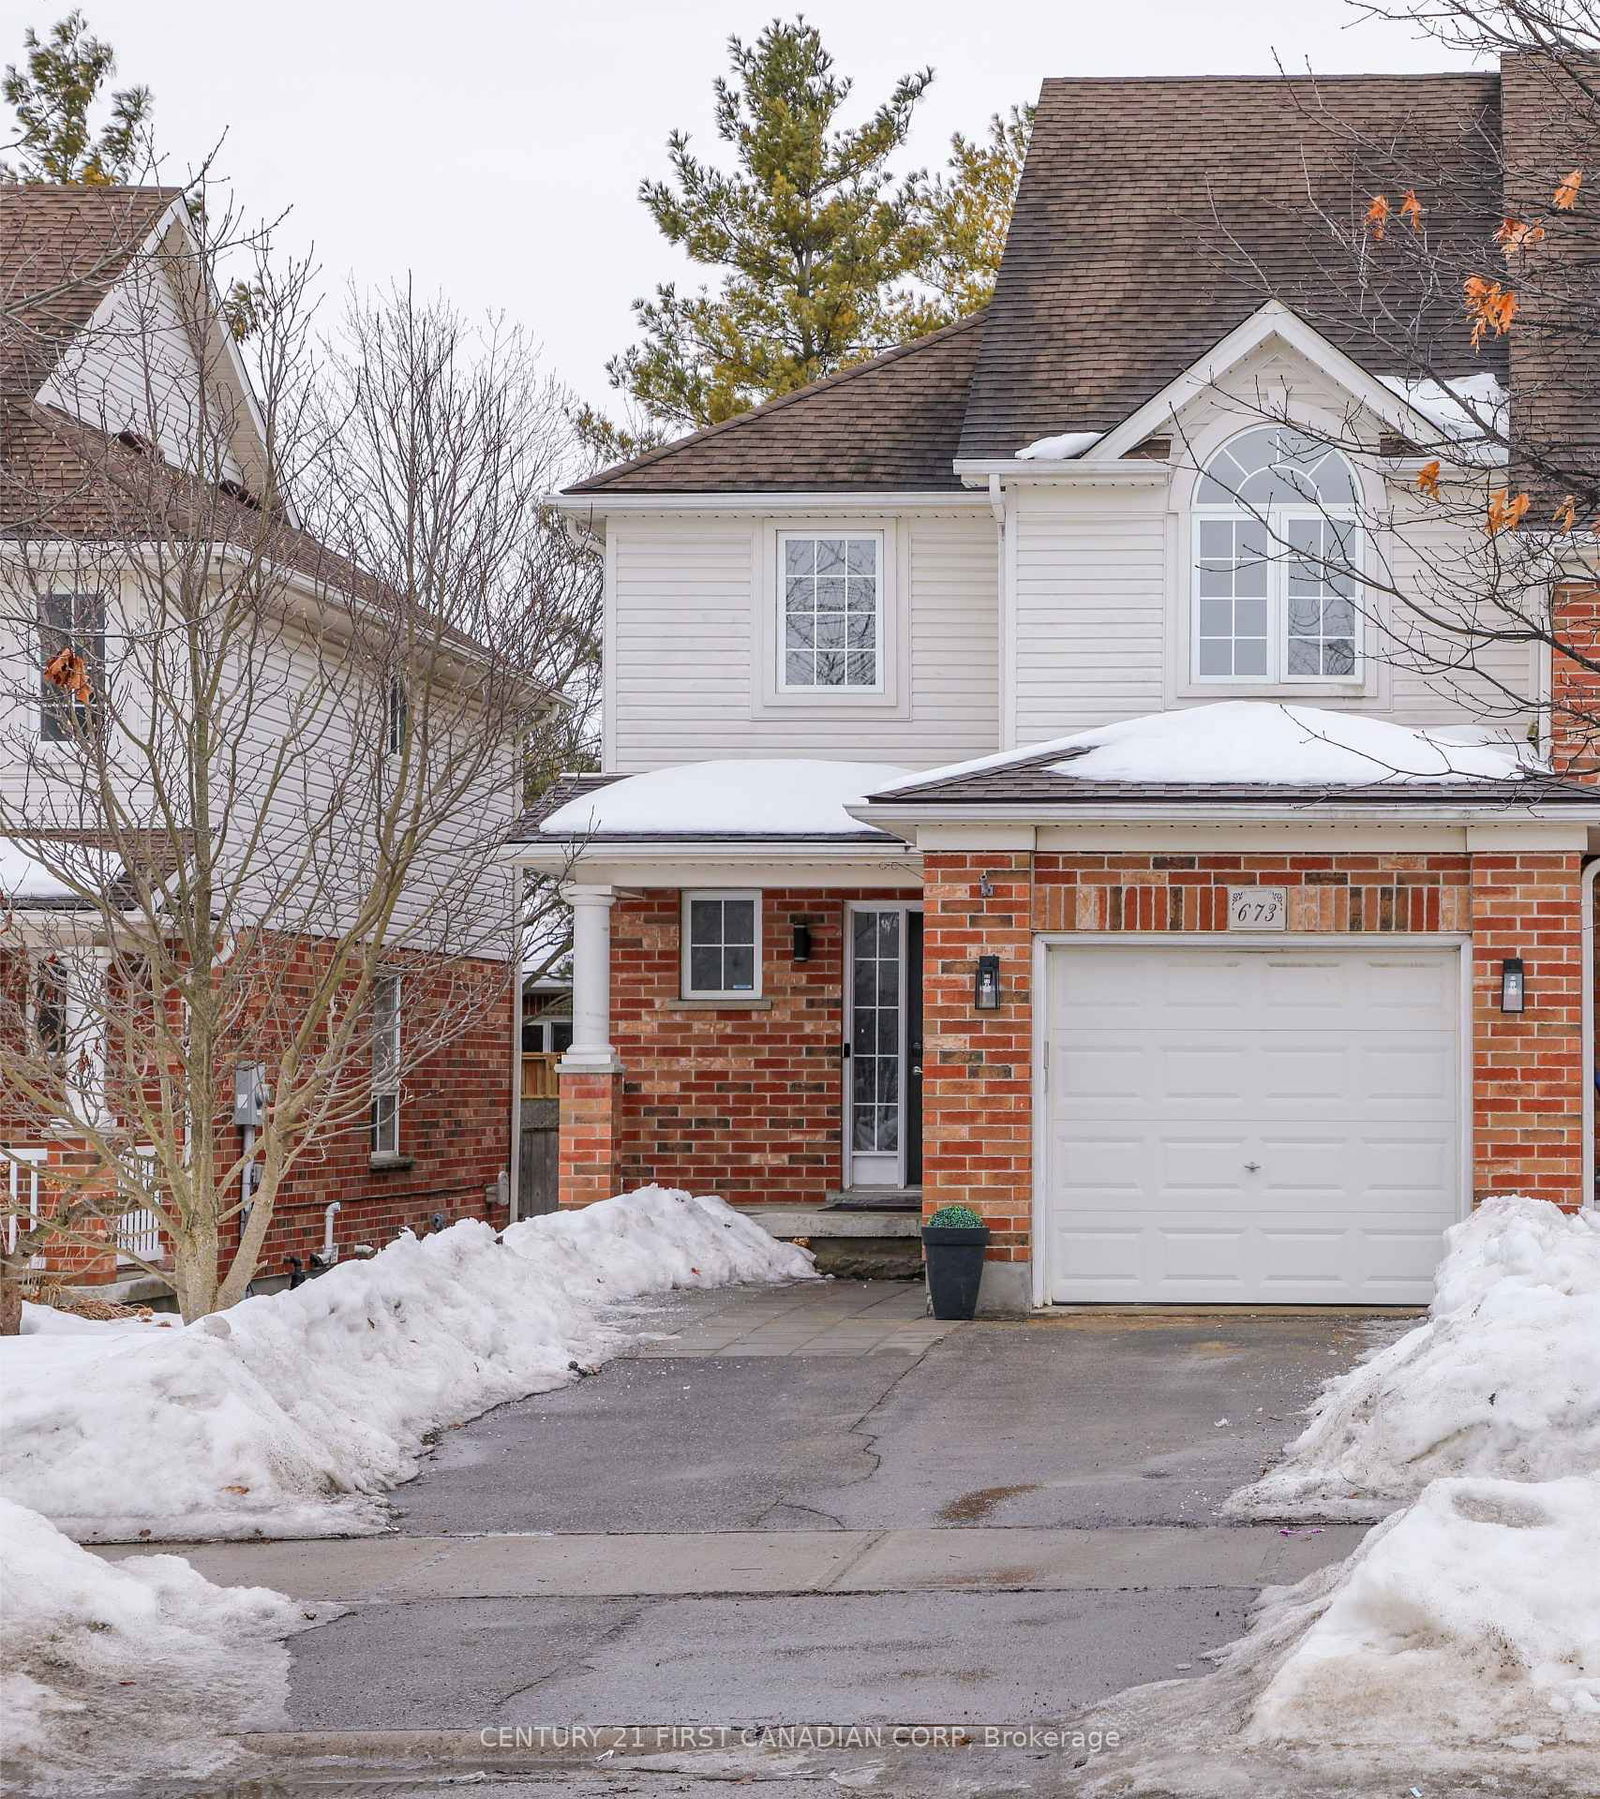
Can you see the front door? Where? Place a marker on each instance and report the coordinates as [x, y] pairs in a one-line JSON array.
[[883, 1047]]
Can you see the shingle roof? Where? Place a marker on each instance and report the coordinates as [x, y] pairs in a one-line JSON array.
[[890, 423], [1155, 216], [61, 249], [1034, 781]]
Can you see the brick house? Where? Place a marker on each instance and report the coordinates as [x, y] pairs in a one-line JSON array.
[[122, 393], [874, 905]]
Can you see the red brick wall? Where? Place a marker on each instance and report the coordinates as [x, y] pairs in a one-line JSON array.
[[1528, 1067], [455, 1119], [589, 1117], [746, 1103], [977, 1066], [1575, 687], [1344, 892]]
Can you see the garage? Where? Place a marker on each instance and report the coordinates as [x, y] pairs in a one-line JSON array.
[[1249, 1125]]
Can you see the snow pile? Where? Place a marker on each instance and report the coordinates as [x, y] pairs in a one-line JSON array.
[[1503, 1378], [1472, 1616], [1060, 448], [23, 877], [746, 798], [292, 1412], [142, 1665]]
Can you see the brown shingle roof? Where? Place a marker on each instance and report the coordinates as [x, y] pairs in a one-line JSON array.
[[1154, 216], [61, 249], [891, 423]]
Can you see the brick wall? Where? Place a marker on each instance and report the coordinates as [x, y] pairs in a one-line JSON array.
[[744, 1102], [1344, 892], [1575, 686], [455, 1119], [1528, 1067], [977, 1066]]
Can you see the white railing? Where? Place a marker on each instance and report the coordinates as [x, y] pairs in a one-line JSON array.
[[139, 1235], [22, 1194]]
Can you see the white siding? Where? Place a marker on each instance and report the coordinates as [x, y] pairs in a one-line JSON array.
[[684, 678], [1090, 616]]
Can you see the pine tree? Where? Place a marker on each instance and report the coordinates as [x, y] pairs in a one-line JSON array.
[[53, 95], [966, 212], [815, 237]]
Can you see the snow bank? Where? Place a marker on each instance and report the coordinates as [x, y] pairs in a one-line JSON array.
[[1503, 1379], [769, 799], [142, 1666], [292, 1412], [1059, 448], [1472, 1616]]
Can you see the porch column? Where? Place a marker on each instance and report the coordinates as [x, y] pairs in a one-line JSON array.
[[591, 1051], [590, 1073]]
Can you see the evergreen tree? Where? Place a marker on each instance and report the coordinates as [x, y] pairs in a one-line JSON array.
[[814, 235], [967, 210], [53, 94]]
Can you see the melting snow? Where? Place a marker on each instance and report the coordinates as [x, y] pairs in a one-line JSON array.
[[1059, 448], [749, 798]]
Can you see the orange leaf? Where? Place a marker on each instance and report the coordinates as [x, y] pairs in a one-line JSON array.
[[1411, 209], [1517, 236], [1490, 306], [1505, 513], [67, 669], [1378, 217], [1428, 479], [1566, 195], [1566, 514]]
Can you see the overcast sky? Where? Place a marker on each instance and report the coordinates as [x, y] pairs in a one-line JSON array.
[[493, 148]]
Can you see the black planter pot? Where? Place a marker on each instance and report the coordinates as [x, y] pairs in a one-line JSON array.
[[955, 1267]]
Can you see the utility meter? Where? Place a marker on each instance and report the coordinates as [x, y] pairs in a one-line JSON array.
[[250, 1094]]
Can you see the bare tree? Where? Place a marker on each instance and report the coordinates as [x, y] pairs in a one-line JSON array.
[[281, 647]]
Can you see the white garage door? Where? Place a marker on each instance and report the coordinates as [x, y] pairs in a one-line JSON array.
[[1237, 1125]]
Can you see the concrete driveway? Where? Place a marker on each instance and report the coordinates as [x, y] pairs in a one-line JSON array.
[[811, 1504]]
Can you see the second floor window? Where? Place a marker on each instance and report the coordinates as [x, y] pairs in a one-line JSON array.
[[74, 622], [831, 601], [1274, 534]]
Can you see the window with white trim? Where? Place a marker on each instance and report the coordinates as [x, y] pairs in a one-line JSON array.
[[721, 945], [1275, 547], [830, 606], [386, 1065], [75, 623], [397, 715]]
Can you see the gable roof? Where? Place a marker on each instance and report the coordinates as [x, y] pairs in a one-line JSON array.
[[1155, 216], [62, 249], [890, 423]]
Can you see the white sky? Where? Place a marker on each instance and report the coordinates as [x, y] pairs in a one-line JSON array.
[[492, 148]]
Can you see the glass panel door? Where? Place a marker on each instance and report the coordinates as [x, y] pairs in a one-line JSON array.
[[877, 1046]]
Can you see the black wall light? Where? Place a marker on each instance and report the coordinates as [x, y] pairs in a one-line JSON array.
[[1513, 985], [986, 985], [802, 939]]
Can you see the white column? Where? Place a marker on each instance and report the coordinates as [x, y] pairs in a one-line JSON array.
[[591, 1051]]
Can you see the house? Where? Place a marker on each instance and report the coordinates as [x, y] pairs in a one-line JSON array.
[[142, 518], [980, 822]]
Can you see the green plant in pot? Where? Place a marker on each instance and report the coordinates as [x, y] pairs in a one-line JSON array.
[[953, 1242]]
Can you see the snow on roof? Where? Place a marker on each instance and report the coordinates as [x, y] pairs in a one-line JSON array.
[[26, 879], [1266, 742], [1059, 448], [1459, 410], [722, 799]]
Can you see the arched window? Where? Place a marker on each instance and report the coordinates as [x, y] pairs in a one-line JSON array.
[[1274, 522]]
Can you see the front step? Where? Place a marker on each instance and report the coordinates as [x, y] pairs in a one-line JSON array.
[[850, 1244]]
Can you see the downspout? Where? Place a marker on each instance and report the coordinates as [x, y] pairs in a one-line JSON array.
[[1005, 701], [1587, 892]]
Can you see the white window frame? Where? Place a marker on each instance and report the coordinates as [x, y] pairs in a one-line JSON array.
[[396, 715], [686, 988], [1275, 520], [810, 534], [385, 1112], [54, 705]]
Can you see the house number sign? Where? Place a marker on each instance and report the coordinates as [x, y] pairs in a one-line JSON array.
[[1258, 908]]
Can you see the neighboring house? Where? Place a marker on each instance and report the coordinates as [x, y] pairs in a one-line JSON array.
[[1209, 1008], [123, 395]]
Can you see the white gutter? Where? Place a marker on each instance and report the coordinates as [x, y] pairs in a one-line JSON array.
[[887, 817], [1142, 473], [1586, 939], [888, 500], [559, 854]]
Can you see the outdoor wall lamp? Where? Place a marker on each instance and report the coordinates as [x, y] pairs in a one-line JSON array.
[[802, 940], [986, 985], [1513, 988]]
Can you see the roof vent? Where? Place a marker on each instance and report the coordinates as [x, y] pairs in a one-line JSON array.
[[131, 440], [236, 490]]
